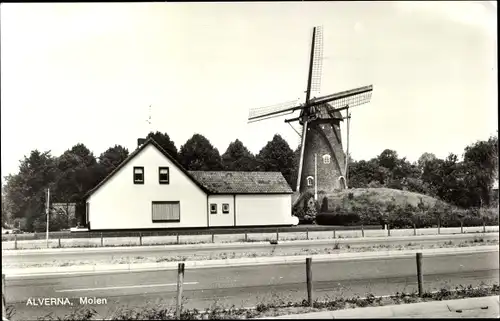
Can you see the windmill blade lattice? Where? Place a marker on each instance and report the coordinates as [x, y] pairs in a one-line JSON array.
[[261, 113], [341, 100], [317, 65]]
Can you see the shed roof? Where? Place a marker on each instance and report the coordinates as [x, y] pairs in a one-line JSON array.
[[226, 182]]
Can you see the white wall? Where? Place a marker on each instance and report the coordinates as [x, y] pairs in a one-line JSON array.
[[121, 204], [221, 219], [270, 209]]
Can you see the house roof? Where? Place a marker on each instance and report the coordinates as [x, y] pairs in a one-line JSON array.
[[223, 182], [133, 154]]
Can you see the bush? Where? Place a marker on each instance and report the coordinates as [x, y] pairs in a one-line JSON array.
[[306, 208], [339, 216]]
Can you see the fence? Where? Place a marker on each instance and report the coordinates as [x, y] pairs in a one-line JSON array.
[[104, 239]]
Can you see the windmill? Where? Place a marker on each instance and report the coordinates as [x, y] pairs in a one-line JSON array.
[[322, 165]]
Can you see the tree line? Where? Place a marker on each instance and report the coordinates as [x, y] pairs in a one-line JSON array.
[[71, 175]]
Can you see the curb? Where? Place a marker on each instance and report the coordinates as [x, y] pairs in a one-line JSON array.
[[137, 267], [229, 246], [431, 308]]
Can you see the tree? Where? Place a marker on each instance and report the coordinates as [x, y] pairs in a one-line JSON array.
[[111, 158], [25, 192], [388, 159], [165, 142], [198, 154], [424, 158], [362, 173], [78, 173], [238, 158], [481, 162], [277, 156]]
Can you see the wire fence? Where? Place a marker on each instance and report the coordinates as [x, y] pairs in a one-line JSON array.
[[114, 239]]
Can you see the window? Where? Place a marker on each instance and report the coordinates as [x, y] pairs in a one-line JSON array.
[[326, 159], [310, 180], [225, 208], [163, 175], [343, 183], [138, 175], [213, 208], [166, 212]]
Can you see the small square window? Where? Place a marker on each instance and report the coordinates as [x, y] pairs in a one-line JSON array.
[[225, 208], [138, 175], [163, 175], [213, 208]]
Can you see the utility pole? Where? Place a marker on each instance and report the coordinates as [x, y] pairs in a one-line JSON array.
[[47, 210], [315, 177], [346, 175]]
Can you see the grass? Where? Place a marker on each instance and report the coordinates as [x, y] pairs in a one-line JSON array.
[[334, 248], [276, 306], [381, 196]]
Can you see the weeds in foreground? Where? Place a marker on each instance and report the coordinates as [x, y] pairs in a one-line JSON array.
[[280, 305]]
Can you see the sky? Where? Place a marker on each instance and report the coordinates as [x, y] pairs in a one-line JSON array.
[[87, 73]]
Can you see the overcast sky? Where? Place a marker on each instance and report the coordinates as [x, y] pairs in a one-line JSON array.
[[86, 73]]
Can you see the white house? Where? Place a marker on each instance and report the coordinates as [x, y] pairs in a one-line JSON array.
[[151, 190]]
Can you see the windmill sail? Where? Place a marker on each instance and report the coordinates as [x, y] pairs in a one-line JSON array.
[[351, 98], [262, 113], [317, 61]]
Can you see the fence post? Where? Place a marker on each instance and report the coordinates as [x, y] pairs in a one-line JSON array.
[[414, 229], [388, 230], [213, 238], [420, 276], [461, 227], [277, 235], [59, 242], [439, 225], [246, 237], [4, 303], [484, 226], [180, 281], [140, 238], [15, 241], [334, 233], [309, 281], [362, 231], [102, 242], [177, 238], [307, 233]]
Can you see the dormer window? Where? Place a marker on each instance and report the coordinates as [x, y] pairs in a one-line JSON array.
[[310, 180], [138, 175], [163, 175], [326, 159]]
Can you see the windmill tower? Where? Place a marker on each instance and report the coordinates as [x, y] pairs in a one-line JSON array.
[[323, 163]]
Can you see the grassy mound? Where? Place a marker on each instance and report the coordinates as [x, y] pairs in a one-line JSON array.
[[380, 196], [399, 209]]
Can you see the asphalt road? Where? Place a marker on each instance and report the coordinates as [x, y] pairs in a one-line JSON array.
[[247, 286], [37, 257]]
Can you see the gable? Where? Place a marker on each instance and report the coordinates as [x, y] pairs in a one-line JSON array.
[[150, 149]]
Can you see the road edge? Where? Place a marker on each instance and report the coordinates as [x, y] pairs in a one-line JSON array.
[[161, 266]]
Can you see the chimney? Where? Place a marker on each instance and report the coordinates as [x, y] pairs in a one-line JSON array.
[[140, 141]]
